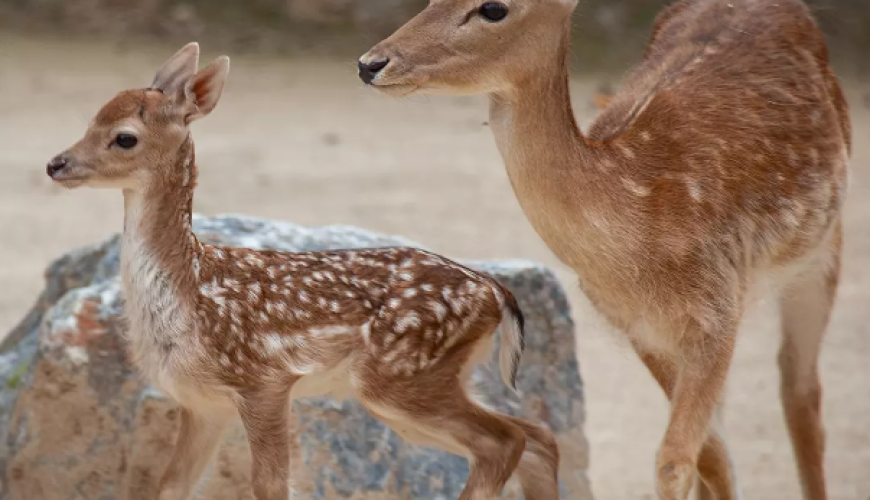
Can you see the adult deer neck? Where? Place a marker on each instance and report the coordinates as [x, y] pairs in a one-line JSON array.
[[534, 125], [160, 253], [558, 176]]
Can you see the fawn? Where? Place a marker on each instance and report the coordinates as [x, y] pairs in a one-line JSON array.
[[232, 330], [721, 164]]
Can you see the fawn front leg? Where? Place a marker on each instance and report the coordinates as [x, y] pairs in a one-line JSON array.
[[264, 413], [197, 441], [701, 373]]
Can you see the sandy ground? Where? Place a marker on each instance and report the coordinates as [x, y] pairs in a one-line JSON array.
[[304, 141]]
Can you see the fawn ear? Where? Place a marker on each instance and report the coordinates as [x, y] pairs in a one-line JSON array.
[[173, 76], [204, 89]]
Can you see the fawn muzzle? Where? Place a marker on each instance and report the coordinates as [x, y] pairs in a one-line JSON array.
[[56, 165]]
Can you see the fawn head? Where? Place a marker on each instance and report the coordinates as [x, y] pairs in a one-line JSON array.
[[468, 46], [137, 135]]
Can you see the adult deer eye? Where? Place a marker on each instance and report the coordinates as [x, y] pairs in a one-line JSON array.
[[126, 141], [493, 11]]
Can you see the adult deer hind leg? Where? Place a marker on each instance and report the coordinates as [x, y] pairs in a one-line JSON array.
[[432, 408], [697, 374], [805, 306], [716, 479]]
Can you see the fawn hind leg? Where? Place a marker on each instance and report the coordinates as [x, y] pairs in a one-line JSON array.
[[492, 444], [805, 306], [444, 416], [538, 470], [538, 466]]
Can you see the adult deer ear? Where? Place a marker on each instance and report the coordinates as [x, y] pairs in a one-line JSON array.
[[204, 89], [173, 76]]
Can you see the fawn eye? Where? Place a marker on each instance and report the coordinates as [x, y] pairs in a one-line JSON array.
[[126, 141], [493, 11]]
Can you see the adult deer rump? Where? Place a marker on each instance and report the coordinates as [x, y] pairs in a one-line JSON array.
[[720, 166]]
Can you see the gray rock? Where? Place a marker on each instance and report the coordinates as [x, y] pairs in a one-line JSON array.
[[77, 422]]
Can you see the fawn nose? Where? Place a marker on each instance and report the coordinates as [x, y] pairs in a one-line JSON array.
[[369, 70], [56, 164]]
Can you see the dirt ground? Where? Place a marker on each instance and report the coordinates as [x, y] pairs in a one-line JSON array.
[[304, 141]]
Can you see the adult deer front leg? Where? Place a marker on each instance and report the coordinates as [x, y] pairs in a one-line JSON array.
[[198, 437], [714, 462], [264, 414], [701, 370]]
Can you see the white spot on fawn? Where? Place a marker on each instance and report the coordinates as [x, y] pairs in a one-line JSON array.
[[331, 330], [409, 320], [254, 291], [458, 305], [232, 284], [366, 331], [274, 343], [439, 309]]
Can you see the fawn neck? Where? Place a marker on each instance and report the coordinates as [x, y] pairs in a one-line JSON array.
[[563, 182], [160, 254]]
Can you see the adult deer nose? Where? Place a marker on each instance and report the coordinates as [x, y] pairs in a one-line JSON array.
[[369, 70], [56, 164]]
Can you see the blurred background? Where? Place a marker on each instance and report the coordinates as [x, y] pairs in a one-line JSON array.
[[297, 137]]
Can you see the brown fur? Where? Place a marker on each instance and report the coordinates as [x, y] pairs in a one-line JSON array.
[[719, 166], [228, 331]]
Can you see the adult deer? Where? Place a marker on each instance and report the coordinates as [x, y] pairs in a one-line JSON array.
[[229, 331], [721, 164]]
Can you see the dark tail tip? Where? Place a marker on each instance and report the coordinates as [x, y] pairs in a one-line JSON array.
[[520, 319]]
